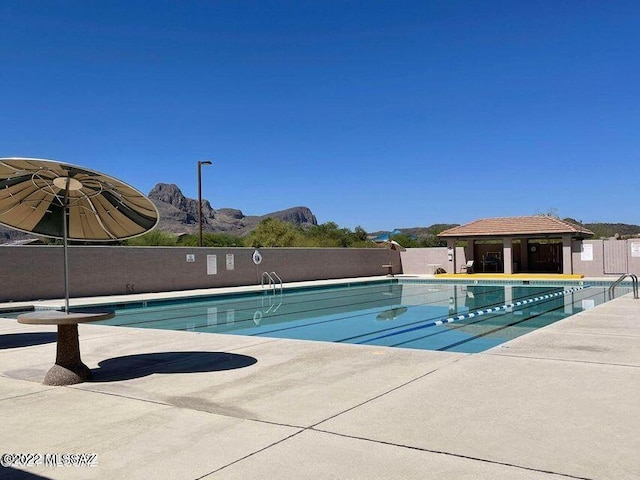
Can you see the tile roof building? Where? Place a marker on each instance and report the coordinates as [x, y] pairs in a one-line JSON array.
[[536, 243], [535, 225]]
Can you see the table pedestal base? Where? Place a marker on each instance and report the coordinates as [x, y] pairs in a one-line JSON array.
[[59, 375], [69, 368]]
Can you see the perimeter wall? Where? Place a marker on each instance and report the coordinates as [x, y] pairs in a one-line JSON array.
[[37, 272], [606, 257]]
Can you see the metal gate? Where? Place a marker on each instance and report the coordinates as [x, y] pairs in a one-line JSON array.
[[615, 256]]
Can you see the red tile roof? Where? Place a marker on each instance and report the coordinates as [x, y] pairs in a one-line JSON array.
[[504, 226]]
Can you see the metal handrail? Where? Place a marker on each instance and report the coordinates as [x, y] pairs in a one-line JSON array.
[[634, 284], [272, 282], [270, 279], [279, 280]]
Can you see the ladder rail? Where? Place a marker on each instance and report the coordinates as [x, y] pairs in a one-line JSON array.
[[269, 279], [272, 279], [279, 281], [634, 284]]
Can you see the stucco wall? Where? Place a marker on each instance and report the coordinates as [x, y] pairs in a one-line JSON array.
[[596, 267], [593, 268], [423, 260], [36, 272]]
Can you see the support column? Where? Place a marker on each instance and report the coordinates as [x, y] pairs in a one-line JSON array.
[[567, 261], [470, 250], [507, 254], [524, 255], [451, 255]]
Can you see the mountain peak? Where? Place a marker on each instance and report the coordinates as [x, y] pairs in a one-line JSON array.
[[296, 215], [168, 193], [180, 214]]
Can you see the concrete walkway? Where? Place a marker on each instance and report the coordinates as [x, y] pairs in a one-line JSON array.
[[562, 402]]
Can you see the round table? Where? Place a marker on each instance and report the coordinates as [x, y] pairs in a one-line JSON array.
[[68, 369]]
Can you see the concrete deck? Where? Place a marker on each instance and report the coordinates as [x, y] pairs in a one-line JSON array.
[[561, 402]]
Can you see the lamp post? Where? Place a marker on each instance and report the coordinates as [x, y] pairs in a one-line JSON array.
[[200, 163]]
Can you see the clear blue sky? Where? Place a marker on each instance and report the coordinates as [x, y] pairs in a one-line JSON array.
[[373, 113]]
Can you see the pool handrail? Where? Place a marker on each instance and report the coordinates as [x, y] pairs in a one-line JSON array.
[[634, 284], [279, 281], [271, 280]]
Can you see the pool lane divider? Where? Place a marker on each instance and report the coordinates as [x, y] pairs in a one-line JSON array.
[[478, 313]]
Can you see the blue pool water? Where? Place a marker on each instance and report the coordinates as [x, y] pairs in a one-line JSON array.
[[394, 313]]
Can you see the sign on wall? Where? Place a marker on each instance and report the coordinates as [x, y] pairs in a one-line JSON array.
[[191, 258], [230, 261], [635, 249], [586, 252], [212, 264]]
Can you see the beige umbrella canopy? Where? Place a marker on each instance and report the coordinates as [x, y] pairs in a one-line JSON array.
[[36, 193]]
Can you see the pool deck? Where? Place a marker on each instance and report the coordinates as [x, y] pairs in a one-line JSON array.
[[560, 402]]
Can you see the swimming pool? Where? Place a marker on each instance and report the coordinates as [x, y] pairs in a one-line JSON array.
[[466, 318]]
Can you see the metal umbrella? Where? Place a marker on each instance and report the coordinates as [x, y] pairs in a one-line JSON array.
[[64, 201], [393, 245]]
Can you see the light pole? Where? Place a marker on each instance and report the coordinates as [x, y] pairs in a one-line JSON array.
[[200, 163]]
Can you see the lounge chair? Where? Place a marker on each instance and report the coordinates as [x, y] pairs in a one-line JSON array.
[[467, 268]]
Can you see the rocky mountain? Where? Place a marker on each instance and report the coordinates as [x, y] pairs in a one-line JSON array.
[[179, 214]]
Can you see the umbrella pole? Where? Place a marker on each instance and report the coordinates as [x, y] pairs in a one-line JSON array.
[[66, 267], [65, 211]]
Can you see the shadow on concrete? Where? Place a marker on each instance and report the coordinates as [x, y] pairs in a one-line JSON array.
[[142, 365], [14, 474], [17, 340]]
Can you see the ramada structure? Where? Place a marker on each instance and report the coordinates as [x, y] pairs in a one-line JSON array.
[[528, 244]]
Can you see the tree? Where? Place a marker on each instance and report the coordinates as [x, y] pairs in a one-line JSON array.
[[432, 241], [212, 240], [272, 232], [326, 235], [360, 234], [154, 238], [329, 234]]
